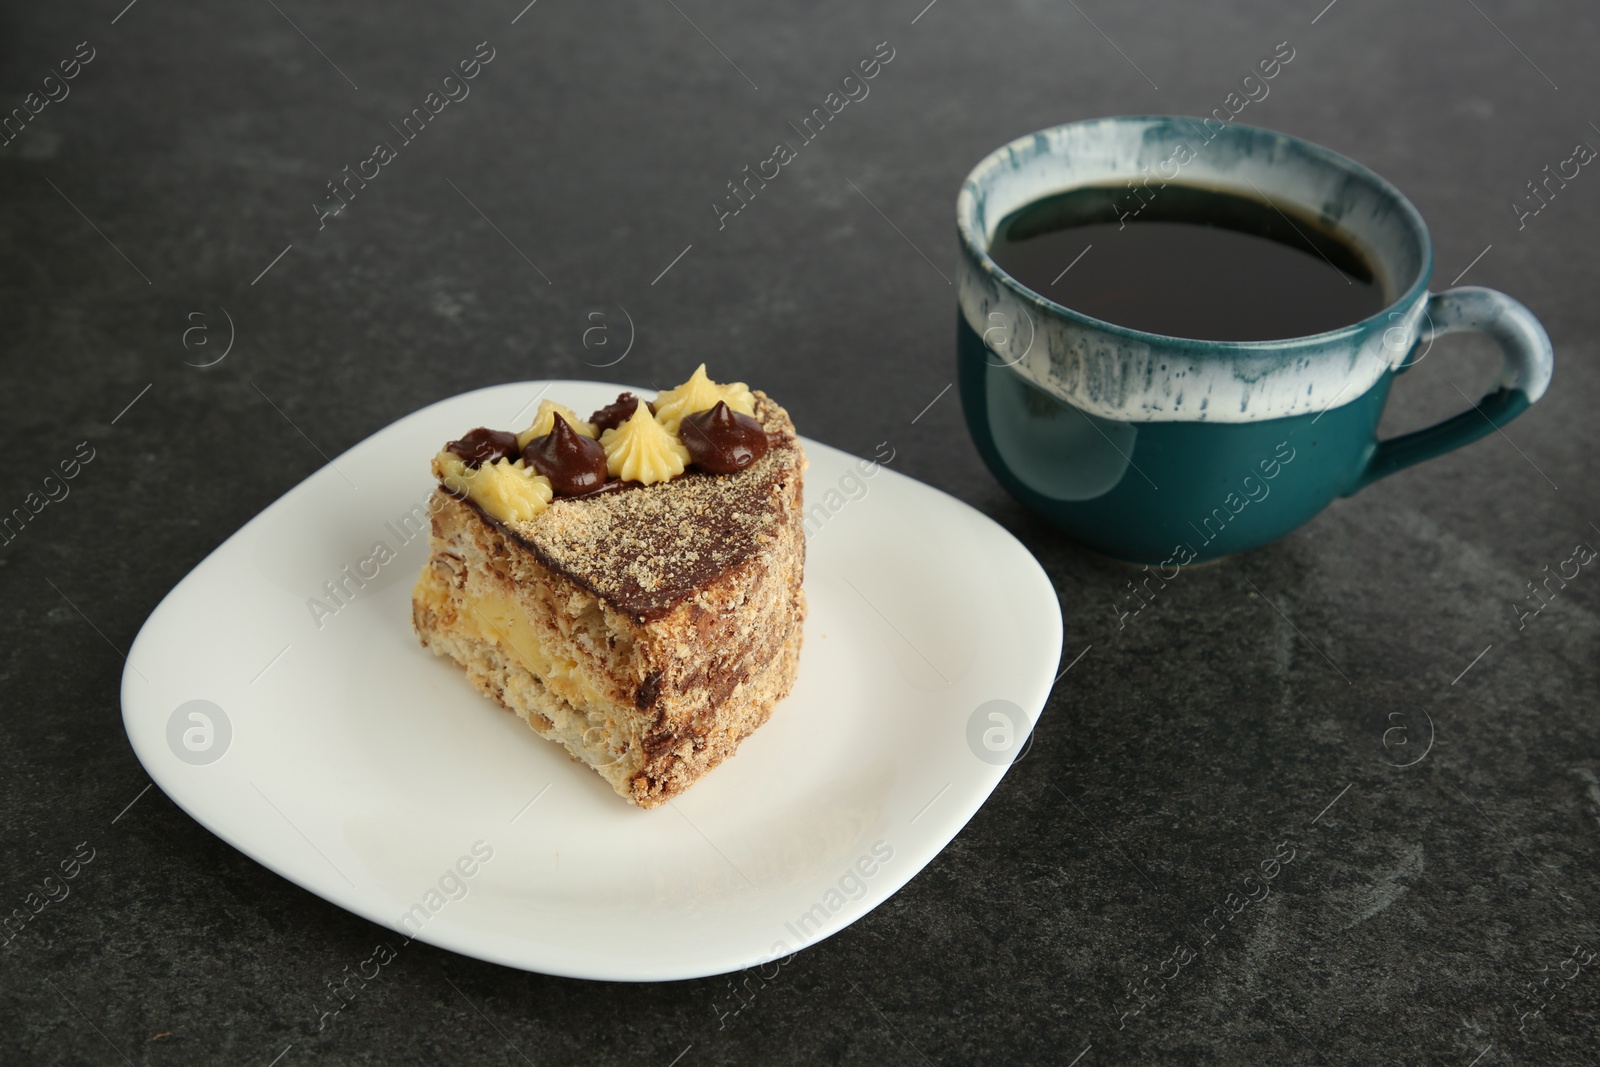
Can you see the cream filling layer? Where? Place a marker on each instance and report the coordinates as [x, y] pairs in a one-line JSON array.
[[580, 725], [497, 619]]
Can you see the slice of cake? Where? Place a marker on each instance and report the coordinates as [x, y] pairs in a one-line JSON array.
[[630, 584]]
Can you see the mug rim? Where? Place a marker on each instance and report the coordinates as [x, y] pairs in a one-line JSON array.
[[975, 242]]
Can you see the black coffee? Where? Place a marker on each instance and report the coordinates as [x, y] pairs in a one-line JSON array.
[[1188, 262]]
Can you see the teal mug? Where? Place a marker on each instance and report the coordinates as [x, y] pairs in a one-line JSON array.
[[1172, 451]]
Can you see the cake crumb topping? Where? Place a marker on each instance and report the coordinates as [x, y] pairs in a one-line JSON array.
[[647, 548]]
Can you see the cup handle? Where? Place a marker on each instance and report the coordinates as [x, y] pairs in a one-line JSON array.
[[1523, 377]]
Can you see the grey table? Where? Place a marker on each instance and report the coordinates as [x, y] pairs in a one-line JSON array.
[[181, 179]]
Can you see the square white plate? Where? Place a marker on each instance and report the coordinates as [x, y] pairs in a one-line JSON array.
[[331, 747]]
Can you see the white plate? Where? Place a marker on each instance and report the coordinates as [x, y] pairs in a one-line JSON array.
[[362, 767]]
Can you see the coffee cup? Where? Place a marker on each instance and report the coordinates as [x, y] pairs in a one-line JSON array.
[[1172, 451]]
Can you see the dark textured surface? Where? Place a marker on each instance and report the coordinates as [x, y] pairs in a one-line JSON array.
[[1171, 762]]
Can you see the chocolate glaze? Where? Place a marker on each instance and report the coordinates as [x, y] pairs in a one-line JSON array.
[[615, 485], [619, 588], [484, 446], [617, 412], [724, 536], [575, 464], [722, 441]]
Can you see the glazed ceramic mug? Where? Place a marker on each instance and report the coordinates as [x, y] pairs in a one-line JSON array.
[[1166, 450]]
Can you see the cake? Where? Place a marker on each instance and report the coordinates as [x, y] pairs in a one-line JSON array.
[[629, 584]]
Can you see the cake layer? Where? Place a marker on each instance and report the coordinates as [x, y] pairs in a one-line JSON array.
[[646, 779]]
